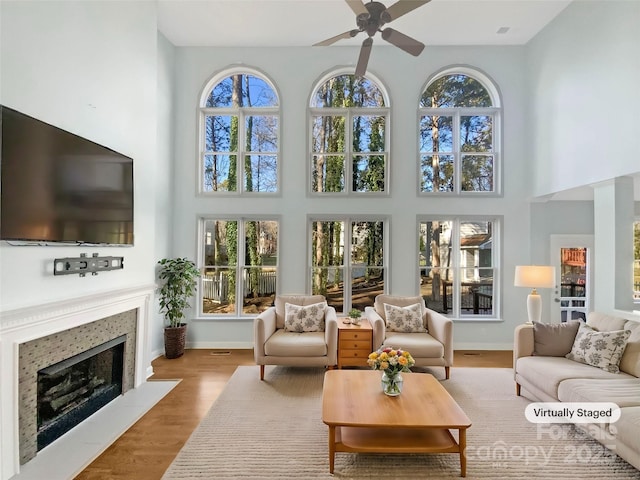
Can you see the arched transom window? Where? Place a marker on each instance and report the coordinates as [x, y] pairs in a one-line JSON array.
[[239, 130], [459, 118], [349, 136]]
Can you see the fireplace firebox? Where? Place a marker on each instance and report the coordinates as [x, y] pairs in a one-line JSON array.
[[72, 390]]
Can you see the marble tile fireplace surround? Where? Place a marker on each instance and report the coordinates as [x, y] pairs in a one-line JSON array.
[[34, 337]]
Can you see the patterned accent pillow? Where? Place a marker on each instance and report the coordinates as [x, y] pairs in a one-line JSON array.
[[599, 349], [404, 319], [307, 318]]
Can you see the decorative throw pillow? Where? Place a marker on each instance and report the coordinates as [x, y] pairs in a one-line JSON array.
[[554, 339], [599, 349], [307, 318], [404, 319]]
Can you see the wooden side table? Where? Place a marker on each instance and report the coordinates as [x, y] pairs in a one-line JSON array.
[[354, 343]]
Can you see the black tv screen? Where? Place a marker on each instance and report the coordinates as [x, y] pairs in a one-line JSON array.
[[59, 187]]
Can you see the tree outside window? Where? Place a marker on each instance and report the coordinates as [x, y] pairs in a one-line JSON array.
[[457, 136], [347, 261], [458, 267], [240, 133], [349, 137], [240, 266]]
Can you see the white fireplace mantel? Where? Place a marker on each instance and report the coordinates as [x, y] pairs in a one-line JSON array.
[[26, 324]]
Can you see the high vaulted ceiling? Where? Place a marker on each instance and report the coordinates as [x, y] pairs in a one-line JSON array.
[[281, 23]]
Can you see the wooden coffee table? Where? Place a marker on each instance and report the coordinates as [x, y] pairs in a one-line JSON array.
[[363, 419]]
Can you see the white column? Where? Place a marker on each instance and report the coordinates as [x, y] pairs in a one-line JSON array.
[[613, 236]]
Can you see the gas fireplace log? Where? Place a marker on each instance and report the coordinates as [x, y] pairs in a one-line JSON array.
[[66, 386], [62, 401]]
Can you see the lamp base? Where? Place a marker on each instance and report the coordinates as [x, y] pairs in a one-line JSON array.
[[534, 307]]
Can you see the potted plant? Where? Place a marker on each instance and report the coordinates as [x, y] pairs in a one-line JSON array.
[[179, 277], [355, 315]]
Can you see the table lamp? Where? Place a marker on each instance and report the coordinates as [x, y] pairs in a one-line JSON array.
[[535, 276]]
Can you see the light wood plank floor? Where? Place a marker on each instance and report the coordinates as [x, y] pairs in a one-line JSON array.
[[147, 449]]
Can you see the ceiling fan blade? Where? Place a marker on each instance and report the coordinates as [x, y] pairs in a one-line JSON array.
[[401, 7], [400, 40], [363, 59], [357, 6], [332, 40]]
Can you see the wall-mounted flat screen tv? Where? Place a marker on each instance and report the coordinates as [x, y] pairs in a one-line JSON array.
[[58, 187]]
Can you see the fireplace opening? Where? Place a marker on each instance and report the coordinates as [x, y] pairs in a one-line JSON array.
[[72, 390]]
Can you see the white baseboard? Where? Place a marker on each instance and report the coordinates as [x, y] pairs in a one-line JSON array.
[[228, 345], [483, 346]]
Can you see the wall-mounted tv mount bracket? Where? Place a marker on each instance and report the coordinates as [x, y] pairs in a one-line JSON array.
[[82, 265]]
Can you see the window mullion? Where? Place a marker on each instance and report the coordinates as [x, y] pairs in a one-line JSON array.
[[457, 273], [348, 151], [346, 263], [457, 154], [240, 266]]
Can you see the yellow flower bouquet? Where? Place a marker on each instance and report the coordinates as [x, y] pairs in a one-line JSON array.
[[392, 361]]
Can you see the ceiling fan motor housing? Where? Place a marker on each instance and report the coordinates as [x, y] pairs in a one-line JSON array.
[[372, 22]]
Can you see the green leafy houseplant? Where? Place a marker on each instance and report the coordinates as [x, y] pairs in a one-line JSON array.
[[180, 277], [355, 313]]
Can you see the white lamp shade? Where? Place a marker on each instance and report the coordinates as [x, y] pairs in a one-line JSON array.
[[535, 276]]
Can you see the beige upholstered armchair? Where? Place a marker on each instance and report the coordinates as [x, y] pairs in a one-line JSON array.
[[408, 324], [296, 331]]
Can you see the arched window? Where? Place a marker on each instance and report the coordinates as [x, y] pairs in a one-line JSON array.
[[459, 134], [239, 134], [349, 136]]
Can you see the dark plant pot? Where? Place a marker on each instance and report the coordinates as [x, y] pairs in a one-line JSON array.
[[174, 340]]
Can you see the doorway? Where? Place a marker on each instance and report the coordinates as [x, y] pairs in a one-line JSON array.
[[572, 255]]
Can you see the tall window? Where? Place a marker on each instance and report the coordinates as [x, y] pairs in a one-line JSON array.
[[458, 143], [239, 130], [348, 261], [240, 258], [349, 136], [458, 265], [636, 262]]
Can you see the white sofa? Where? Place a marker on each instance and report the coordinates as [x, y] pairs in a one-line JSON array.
[[558, 379]]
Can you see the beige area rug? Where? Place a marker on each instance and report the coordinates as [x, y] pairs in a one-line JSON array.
[[273, 430]]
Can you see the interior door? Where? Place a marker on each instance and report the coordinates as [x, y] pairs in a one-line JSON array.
[[572, 255]]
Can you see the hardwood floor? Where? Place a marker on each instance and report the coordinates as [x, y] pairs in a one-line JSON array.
[[147, 449]]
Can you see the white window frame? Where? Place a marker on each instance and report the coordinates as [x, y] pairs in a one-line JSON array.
[[241, 113], [349, 113], [348, 244], [495, 112], [496, 260], [241, 219]]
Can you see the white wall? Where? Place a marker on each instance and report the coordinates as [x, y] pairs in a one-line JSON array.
[[294, 72], [583, 75], [90, 68], [162, 172]]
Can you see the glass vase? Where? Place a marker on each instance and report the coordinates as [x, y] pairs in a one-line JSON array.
[[392, 384]]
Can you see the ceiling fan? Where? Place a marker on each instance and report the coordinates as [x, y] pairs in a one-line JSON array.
[[370, 18]]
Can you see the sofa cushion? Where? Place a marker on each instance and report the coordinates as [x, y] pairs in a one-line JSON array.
[[554, 339], [419, 345], [627, 428], [293, 344], [604, 323], [296, 300], [304, 318], [398, 301], [625, 392], [630, 362], [599, 349], [404, 319], [547, 372]]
